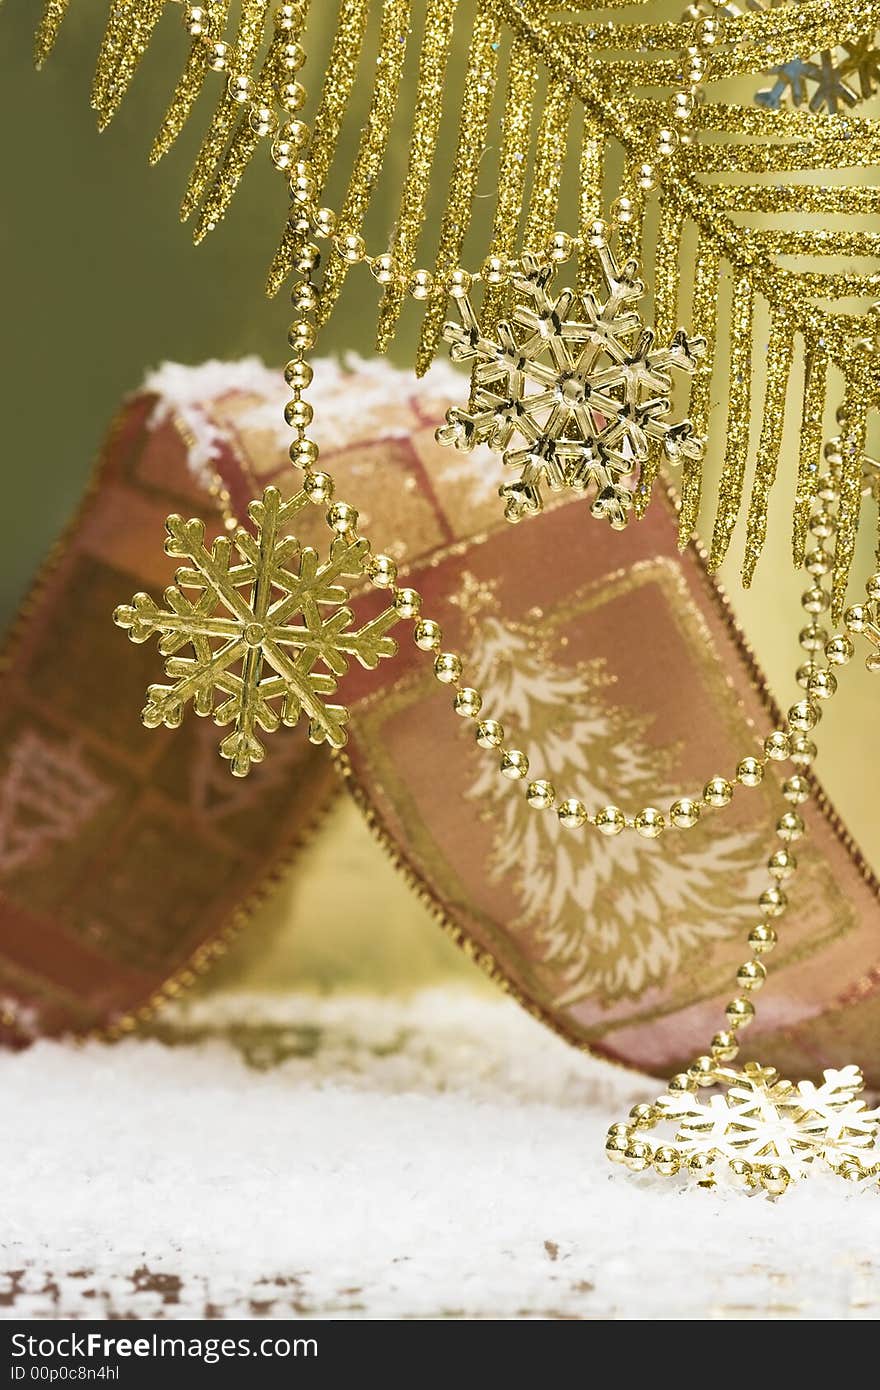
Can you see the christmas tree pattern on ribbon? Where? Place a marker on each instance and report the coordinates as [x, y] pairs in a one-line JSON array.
[[611, 918]]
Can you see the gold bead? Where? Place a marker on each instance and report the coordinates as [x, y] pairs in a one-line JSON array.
[[815, 600], [724, 1047], [615, 1147], [384, 268], [646, 177], [751, 975], [541, 795], [717, 791], [468, 702], [239, 87], [427, 635], [325, 222], [292, 56], [597, 235], [682, 106], [774, 1179], [298, 374], [298, 414], [749, 772], [302, 186], [514, 764], [804, 716], [822, 524], [196, 21], [796, 790], [407, 603], [666, 1160], [822, 685], [742, 1174], [773, 902], [303, 454], [762, 938], [351, 247], [872, 588], [490, 734], [493, 270], [813, 638], [805, 673], [301, 335], [610, 820], [703, 1070], [684, 813], [447, 668], [818, 561], [708, 33], [289, 18], [262, 120], [292, 95], [572, 813], [318, 487], [649, 823], [681, 1084], [781, 864], [217, 56], [637, 1157], [739, 1013], [459, 284], [382, 571], [666, 142], [702, 1167], [620, 1130], [789, 827], [803, 750], [421, 284], [623, 210], [342, 518], [856, 618], [777, 745], [643, 1116], [561, 247], [839, 650]]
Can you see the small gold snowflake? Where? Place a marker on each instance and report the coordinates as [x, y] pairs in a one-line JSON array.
[[254, 609], [579, 381]]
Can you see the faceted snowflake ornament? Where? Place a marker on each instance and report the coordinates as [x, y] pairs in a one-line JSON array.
[[760, 1120], [572, 390], [267, 627]]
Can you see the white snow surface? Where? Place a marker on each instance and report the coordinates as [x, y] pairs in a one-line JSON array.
[[362, 1157]]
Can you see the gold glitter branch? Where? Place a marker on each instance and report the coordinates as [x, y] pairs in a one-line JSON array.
[[589, 89]]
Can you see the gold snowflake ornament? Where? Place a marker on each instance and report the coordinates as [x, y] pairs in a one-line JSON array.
[[578, 381], [759, 1129], [267, 627]]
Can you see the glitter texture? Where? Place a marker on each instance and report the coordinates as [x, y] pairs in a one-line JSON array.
[[736, 452], [374, 140], [477, 102], [861, 389], [549, 159], [190, 83], [591, 179], [339, 79], [665, 320], [47, 31], [250, 32], [812, 422], [777, 368], [127, 38], [522, 79], [704, 311], [423, 143]]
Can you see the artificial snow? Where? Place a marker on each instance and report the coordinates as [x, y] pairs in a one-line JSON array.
[[355, 1157]]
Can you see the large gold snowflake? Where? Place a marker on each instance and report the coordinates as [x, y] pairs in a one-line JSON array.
[[268, 627], [765, 1120], [579, 381]]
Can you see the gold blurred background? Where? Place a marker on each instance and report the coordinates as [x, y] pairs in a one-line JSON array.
[[100, 284]]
